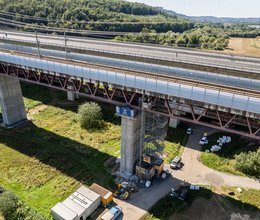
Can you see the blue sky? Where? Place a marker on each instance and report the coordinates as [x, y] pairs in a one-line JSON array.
[[219, 8]]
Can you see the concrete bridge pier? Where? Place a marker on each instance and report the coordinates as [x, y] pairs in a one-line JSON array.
[[130, 143], [71, 96], [174, 122], [11, 101]]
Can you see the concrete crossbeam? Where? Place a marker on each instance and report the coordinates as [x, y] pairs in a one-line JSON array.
[[11, 101], [130, 143]]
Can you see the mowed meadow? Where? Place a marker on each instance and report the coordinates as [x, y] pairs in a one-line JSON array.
[[46, 160], [244, 46]]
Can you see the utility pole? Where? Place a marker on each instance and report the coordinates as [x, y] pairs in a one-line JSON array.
[[38, 44], [65, 41]]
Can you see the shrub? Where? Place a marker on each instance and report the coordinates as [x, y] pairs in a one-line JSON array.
[[8, 204], [249, 163], [14, 209], [90, 115]]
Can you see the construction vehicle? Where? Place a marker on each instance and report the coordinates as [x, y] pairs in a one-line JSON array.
[[176, 163], [122, 193], [180, 193], [112, 214]]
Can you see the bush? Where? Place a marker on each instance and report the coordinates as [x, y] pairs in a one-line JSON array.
[[8, 204], [14, 209], [90, 115], [249, 163]]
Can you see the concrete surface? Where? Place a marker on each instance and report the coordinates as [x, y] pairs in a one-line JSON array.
[[11, 101], [130, 143]]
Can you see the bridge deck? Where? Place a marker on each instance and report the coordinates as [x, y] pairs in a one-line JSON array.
[[168, 78]]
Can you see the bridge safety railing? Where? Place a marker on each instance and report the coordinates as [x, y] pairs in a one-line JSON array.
[[213, 78], [139, 54]]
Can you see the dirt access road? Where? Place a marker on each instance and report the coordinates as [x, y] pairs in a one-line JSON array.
[[193, 172]]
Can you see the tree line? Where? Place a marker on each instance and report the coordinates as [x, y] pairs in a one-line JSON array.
[[195, 38]]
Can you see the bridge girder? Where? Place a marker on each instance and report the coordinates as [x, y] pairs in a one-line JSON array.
[[118, 95]]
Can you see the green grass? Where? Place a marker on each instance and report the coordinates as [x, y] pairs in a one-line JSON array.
[[45, 161], [247, 200], [175, 141], [36, 96], [224, 160], [168, 205]]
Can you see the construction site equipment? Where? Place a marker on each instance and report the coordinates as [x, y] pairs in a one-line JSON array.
[[122, 194], [129, 186], [180, 193], [112, 214], [106, 195], [150, 166], [176, 163], [78, 206]]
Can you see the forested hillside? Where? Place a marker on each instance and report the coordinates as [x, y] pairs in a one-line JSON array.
[[147, 24], [79, 14]]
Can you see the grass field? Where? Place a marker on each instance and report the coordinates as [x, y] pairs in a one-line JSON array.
[[248, 199], [245, 46], [218, 207], [45, 161], [167, 206], [224, 160]]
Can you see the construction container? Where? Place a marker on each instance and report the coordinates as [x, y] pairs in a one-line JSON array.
[[78, 206], [106, 195]]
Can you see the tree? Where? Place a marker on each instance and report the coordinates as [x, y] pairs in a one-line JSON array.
[[90, 115], [249, 163]]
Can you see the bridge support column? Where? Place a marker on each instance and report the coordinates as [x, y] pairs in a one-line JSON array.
[[130, 143], [71, 96], [174, 122], [11, 101]]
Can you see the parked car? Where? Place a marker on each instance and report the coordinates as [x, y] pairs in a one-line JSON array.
[[112, 214], [176, 163], [189, 131], [203, 141]]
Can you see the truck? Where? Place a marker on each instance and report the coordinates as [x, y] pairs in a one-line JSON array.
[[112, 214]]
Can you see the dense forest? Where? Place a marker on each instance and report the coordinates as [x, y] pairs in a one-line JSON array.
[[81, 14], [147, 24]]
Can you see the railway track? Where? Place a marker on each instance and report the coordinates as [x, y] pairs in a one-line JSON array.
[[167, 78]]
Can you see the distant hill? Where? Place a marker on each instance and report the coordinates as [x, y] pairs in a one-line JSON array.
[[213, 19], [225, 20]]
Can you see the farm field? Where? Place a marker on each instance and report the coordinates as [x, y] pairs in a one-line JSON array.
[[244, 46], [45, 161]]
